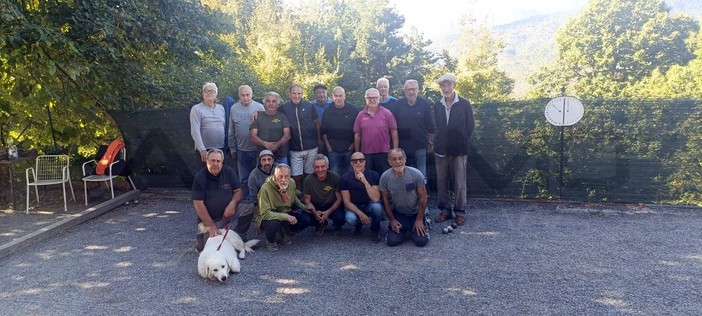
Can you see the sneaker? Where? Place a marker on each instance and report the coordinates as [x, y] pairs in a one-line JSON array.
[[200, 240], [271, 246], [375, 237], [287, 240]]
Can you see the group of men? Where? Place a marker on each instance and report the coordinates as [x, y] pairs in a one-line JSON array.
[[303, 164]]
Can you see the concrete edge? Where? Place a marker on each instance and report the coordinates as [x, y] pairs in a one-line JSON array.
[[56, 228]]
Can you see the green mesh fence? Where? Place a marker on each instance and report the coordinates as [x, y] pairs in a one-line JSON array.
[[635, 151]]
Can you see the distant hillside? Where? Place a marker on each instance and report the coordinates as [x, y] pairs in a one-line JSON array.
[[530, 43]]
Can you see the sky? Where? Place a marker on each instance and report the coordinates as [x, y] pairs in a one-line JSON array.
[[441, 16]]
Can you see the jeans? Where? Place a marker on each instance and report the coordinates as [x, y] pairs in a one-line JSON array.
[[245, 162], [407, 222], [340, 162], [372, 209], [377, 162], [418, 159], [281, 160]]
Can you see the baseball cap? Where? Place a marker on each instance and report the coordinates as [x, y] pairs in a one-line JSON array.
[[319, 85], [265, 152]]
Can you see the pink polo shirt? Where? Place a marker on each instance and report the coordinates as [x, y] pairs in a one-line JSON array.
[[375, 130]]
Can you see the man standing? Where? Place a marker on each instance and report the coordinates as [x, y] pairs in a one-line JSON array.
[[405, 198], [383, 86], [373, 128], [216, 194], [337, 131], [359, 190], [305, 136], [321, 101], [241, 148], [322, 195], [275, 201], [415, 126], [271, 129], [207, 120], [454, 126]]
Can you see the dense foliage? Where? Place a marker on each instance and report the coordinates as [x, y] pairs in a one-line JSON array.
[[64, 63]]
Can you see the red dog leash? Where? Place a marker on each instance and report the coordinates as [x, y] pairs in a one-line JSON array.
[[226, 231]]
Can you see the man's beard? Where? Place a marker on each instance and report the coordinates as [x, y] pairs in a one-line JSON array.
[[284, 186], [398, 169]]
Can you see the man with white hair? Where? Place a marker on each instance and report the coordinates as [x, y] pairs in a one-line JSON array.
[[454, 127], [276, 215], [383, 86], [241, 148], [374, 129], [415, 126], [207, 122], [405, 198]]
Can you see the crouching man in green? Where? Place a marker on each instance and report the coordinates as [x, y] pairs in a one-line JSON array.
[[276, 216]]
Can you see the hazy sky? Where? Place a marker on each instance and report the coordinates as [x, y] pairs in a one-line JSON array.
[[439, 16]]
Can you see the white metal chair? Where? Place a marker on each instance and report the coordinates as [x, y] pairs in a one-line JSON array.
[[107, 177], [49, 170]]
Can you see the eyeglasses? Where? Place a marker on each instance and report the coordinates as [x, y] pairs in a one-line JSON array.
[[209, 91], [358, 160], [372, 98]]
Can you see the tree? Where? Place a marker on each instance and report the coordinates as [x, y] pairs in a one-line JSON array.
[[475, 66], [614, 44], [76, 59]]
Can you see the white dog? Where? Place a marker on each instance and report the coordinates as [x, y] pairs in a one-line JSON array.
[[216, 264]]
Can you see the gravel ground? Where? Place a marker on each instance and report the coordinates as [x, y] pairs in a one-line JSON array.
[[511, 258]]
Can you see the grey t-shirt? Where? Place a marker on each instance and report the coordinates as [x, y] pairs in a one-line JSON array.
[[239, 124], [403, 190], [207, 126]]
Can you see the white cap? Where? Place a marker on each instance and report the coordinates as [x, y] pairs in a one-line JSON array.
[[447, 77]]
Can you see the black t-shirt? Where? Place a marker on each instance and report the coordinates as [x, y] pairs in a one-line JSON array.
[[357, 190], [217, 191], [338, 126]]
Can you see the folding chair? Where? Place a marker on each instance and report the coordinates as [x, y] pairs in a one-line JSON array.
[[110, 173], [50, 169]]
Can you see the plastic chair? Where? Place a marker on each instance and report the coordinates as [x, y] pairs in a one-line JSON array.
[[107, 177], [49, 170]]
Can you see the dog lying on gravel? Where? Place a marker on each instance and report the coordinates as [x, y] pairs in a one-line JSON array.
[[215, 264]]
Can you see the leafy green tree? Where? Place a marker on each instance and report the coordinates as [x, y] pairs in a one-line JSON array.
[[479, 80], [614, 44], [680, 81], [76, 59]]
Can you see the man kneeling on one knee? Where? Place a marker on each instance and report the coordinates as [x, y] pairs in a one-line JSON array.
[[404, 186], [216, 194]]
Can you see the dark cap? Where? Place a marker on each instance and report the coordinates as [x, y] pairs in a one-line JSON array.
[[318, 86]]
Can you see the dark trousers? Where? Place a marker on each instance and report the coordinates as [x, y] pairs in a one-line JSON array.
[[407, 222], [377, 162]]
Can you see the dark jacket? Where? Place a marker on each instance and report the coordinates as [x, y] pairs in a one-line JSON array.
[[303, 131], [453, 138]]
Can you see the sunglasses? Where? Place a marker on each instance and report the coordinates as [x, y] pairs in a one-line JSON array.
[[358, 160]]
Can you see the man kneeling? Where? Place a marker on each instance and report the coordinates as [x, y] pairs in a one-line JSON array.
[[405, 187], [275, 201]]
